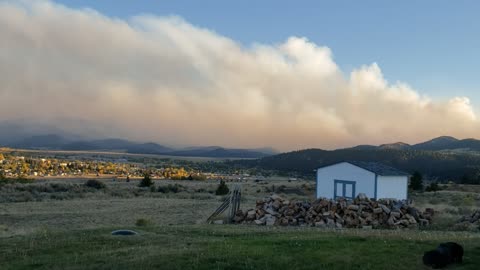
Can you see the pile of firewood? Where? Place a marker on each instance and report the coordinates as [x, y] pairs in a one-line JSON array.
[[361, 212]]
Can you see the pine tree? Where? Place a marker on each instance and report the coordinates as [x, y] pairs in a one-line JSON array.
[[416, 182], [222, 188], [146, 181]]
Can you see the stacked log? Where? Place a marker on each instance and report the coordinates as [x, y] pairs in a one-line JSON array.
[[361, 212]]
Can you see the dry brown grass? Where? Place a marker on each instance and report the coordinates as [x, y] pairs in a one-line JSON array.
[[449, 205], [67, 204], [121, 204], [74, 233]]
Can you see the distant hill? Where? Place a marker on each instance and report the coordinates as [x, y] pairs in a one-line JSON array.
[[116, 145], [436, 164], [398, 146], [30, 133], [219, 152], [440, 143], [50, 141], [106, 144], [468, 144], [148, 148], [398, 153], [57, 142], [449, 143], [364, 147]]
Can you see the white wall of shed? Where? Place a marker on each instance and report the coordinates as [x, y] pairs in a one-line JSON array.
[[392, 187], [326, 176]]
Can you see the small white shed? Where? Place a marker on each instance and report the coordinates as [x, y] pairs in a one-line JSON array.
[[348, 179]]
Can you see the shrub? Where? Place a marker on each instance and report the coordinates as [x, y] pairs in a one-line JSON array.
[[433, 187], [170, 188], [18, 180], [416, 182], [95, 184], [146, 181], [222, 188], [271, 189], [142, 222], [61, 187], [468, 201], [61, 196], [436, 200]]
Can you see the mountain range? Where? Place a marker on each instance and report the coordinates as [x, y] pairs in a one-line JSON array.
[[436, 144], [442, 158], [57, 142]]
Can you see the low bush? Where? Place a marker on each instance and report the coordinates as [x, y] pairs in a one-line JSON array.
[[433, 187], [436, 200], [43, 191], [222, 188], [171, 188], [468, 201], [62, 187], [146, 181], [47, 188], [142, 222], [62, 196], [18, 180], [95, 184]]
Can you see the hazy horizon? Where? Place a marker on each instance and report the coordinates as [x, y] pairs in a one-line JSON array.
[[165, 80], [28, 131]]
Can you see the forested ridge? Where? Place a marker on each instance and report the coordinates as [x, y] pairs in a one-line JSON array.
[[439, 165]]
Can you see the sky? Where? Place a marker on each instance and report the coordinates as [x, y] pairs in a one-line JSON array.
[[432, 44], [285, 74]]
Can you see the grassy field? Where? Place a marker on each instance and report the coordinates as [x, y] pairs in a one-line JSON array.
[[68, 204], [229, 247], [61, 224]]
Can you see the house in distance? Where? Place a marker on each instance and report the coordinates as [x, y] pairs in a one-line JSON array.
[[348, 179]]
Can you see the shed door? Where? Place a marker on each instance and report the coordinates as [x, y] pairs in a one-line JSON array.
[[345, 189]]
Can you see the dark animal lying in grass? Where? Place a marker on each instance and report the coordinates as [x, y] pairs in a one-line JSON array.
[[446, 253]]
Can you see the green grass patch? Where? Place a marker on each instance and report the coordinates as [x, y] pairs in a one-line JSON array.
[[230, 247]]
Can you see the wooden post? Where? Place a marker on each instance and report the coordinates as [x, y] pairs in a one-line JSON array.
[[232, 201]]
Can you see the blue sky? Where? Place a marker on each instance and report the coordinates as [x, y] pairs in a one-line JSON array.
[[431, 45]]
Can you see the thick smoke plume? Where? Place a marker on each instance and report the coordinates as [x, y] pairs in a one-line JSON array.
[[162, 79]]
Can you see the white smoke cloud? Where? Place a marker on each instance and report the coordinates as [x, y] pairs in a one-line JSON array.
[[165, 80]]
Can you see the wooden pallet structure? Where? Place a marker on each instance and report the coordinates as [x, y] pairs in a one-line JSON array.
[[232, 201]]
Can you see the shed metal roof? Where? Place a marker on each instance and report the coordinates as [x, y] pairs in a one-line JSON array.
[[375, 167], [379, 168]]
